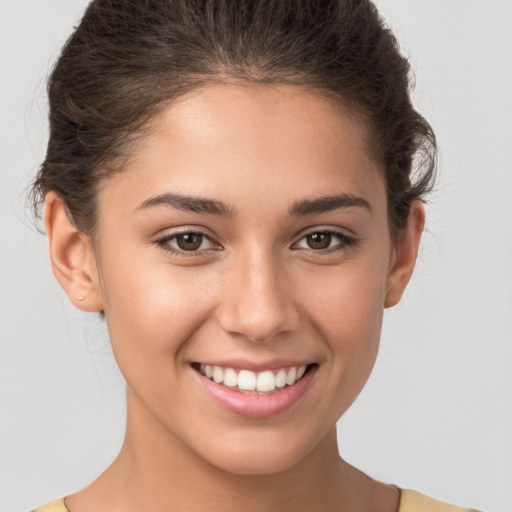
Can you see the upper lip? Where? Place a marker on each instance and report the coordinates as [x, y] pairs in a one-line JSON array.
[[256, 366]]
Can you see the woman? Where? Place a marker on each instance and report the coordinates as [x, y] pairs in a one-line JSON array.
[[229, 184]]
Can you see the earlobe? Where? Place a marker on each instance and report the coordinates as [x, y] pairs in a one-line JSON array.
[[71, 256], [406, 251]]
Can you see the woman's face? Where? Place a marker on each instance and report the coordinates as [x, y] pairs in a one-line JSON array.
[[247, 238]]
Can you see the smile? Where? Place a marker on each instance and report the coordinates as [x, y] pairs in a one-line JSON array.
[[255, 394], [249, 382]]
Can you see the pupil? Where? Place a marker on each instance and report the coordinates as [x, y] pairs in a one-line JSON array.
[[189, 241], [319, 240]]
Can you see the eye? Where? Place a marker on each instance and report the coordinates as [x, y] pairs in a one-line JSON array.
[[186, 242], [190, 241], [325, 240]]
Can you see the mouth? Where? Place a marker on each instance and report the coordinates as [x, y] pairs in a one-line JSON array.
[[254, 383], [255, 394]]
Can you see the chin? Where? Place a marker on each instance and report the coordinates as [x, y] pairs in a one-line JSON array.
[[262, 455], [241, 465]]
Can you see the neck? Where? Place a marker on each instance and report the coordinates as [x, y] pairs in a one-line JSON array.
[[155, 470]]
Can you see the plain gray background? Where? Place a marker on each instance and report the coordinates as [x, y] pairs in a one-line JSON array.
[[437, 413]]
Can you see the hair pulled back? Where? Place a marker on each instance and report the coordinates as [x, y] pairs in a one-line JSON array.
[[128, 58]]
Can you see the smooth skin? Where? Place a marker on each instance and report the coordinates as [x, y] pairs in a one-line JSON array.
[[264, 278]]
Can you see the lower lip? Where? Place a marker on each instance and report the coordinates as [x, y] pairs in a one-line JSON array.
[[257, 406]]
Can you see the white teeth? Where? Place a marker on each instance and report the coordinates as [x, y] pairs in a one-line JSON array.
[[281, 379], [247, 380], [218, 374], [291, 376], [230, 378], [266, 381]]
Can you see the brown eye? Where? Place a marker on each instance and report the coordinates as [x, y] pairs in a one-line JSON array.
[[319, 240], [325, 242], [189, 241]]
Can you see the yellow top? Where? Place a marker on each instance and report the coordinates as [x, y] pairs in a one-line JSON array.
[[53, 506], [410, 501]]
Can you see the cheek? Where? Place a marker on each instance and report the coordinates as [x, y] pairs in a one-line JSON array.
[[349, 298], [152, 309], [346, 308], [153, 314]]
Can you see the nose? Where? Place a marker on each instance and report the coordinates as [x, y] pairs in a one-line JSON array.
[[258, 302]]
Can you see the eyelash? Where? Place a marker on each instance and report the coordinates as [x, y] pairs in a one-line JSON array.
[[344, 242], [165, 245]]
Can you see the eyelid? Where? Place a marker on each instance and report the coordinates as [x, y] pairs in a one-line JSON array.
[[346, 240], [162, 240]]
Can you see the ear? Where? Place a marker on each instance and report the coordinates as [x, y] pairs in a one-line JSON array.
[[405, 253], [71, 256]]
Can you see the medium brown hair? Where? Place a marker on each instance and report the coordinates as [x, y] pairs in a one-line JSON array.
[[127, 59]]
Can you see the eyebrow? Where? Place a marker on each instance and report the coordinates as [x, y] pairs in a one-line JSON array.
[[197, 204], [328, 204], [192, 204]]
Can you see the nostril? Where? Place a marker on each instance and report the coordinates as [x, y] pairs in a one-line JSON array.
[[259, 306]]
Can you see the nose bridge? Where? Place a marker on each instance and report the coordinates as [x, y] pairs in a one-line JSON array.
[[258, 302]]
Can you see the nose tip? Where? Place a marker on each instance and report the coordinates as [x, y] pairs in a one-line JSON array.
[[258, 304], [259, 326]]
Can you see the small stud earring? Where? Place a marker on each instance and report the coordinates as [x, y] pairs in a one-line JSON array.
[[81, 298]]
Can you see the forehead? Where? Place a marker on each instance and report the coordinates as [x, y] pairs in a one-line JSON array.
[[242, 142], [271, 117]]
